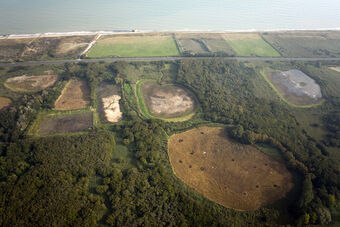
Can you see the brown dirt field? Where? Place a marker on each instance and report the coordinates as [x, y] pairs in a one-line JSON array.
[[167, 101], [65, 124], [76, 95], [234, 175], [31, 83], [4, 102], [109, 95], [237, 36]]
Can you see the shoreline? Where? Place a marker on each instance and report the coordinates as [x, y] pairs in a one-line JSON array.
[[135, 31]]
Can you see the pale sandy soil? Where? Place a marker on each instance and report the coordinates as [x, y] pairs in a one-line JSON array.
[[112, 109], [91, 44], [66, 47], [237, 36], [335, 68], [163, 102]]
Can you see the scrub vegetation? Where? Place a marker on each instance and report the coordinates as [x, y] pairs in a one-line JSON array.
[[305, 44], [43, 48], [120, 174]]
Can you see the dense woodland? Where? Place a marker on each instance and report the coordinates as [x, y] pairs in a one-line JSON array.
[[76, 181]]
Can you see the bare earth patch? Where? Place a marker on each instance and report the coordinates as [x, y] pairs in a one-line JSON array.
[[296, 87], [4, 102], [31, 83], [241, 35], [167, 100], [76, 95], [335, 68], [109, 95], [64, 48], [234, 175], [112, 109], [65, 124]]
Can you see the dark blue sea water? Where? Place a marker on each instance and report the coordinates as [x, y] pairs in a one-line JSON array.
[[40, 16]]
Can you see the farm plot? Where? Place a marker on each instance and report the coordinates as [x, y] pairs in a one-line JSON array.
[[166, 101], [250, 44], [203, 43], [26, 83], [305, 44], [295, 87], [231, 174], [65, 124], [110, 96], [192, 46], [4, 102], [76, 95], [134, 46]]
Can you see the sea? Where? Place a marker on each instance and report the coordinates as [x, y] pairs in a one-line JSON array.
[[51, 16]]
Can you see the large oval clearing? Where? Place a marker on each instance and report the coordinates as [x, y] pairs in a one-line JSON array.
[[234, 175], [167, 101]]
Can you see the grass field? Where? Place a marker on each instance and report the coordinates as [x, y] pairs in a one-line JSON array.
[[231, 174], [140, 100], [203, 43], [250, 44], [305, 44], [134, 46], [4, 102], [76, 95]]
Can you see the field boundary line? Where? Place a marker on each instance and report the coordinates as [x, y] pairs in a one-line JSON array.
[[264, 39]]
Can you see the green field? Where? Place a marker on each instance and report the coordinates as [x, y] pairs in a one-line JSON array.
[[134, 46], [250, 45]]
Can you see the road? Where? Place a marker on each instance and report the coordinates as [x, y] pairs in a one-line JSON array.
[[165, 59]]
